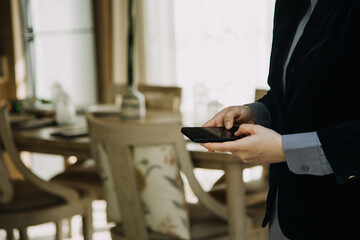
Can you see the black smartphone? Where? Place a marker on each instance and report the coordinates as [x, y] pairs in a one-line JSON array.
[[210, 134]]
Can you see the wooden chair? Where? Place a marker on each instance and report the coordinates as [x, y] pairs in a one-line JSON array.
[[30, 200], [85, 176], [156, 97], [208, 220]]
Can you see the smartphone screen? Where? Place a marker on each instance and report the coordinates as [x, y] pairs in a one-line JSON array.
[[210, 134]]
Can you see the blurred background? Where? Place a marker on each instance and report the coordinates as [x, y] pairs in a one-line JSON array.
[[216, 51]]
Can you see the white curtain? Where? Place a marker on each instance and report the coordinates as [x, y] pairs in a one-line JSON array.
[[160, 42], [222, 50], [217, 50], [120, 34]]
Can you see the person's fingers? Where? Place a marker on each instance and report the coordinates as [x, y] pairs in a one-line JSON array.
[[230, 146], [247, 129], [209, 123], [204, 145], [216, 121], [212, 122], [230, 116]]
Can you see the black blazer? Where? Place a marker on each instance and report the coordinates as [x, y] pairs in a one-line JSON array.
[[322, 94]]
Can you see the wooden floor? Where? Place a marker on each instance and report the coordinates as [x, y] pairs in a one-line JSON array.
[[47, 231]]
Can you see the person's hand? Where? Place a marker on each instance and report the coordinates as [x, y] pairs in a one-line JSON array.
[[230, 116], [263, 145]]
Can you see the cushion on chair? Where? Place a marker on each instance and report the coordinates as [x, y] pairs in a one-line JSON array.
[[27, 196], [161, 189], [160, 186]]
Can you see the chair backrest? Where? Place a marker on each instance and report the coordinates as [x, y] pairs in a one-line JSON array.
[[12, 154], [156, 97], [115, 147]]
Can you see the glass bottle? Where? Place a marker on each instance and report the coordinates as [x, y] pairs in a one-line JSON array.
[[133, 104]]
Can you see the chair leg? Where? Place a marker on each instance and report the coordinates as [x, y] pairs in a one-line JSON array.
[[23, 234], [69, 228], [59, 230], [87, 223], [10, 234]]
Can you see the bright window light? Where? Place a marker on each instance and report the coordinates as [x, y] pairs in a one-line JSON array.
[[222, 52]]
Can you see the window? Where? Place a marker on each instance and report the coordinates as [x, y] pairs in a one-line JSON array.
[[59, 45], [220, 50]]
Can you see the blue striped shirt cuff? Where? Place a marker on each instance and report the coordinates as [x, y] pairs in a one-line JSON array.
[[304, 154]]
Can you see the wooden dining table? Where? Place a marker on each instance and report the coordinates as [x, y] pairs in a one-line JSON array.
[[46, 140], [41, 141]]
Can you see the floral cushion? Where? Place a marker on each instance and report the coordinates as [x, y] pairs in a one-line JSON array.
[[161, 188]]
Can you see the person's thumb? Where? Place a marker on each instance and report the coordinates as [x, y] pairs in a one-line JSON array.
[[246, 129]]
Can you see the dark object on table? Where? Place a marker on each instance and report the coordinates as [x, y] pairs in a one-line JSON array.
[[31, 122]]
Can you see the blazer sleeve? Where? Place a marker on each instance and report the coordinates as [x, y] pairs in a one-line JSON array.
[[269, 101]]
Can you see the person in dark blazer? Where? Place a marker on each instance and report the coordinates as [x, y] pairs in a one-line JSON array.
[[307, 126]]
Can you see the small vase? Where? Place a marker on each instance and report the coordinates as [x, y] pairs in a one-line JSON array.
[[133, 104]]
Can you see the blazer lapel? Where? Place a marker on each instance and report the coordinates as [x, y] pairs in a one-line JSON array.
[[307, 41], [287, 18]]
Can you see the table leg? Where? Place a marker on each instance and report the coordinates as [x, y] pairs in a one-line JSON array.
[[236, 202]]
